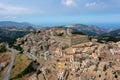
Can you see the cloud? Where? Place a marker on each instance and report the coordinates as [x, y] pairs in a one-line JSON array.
[[92, 4], [10, 17], [68, 2], [8, 9]]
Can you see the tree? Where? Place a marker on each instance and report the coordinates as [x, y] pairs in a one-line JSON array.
[[2, 47]]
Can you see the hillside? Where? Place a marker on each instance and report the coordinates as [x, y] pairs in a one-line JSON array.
[[10, 33], [44, 38], [87, 29], [6, 35], [17, 24], [87, 60], [114, 33]]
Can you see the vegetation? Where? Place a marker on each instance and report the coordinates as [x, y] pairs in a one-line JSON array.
[[11, 43], [2, 74], [60, 34], [4, 58], [8, 36], [108, 38], [2, 47], [81, 33], [22, 67], [27, 70], [18, 47]]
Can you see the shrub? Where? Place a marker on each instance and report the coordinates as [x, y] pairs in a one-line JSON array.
[[2, 47]]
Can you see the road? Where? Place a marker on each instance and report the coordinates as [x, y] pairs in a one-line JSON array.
[[7, 75]]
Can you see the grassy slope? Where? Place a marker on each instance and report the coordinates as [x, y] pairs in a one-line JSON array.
[[4, 57], [21, 63]]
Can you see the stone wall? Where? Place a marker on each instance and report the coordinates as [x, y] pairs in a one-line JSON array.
[[64, 40], [79, 39], [72, 40]]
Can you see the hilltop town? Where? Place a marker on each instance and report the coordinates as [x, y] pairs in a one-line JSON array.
[[59, 39], [58, 54]]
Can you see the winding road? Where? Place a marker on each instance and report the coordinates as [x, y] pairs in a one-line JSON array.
[[7, 75]]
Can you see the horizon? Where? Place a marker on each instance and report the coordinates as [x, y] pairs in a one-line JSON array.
[[101, 25], [61, 12]]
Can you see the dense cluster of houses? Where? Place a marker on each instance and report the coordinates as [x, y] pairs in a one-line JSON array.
[[86, 61], [89, 60]]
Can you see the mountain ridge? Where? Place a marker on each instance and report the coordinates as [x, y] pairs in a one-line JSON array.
[[92, 30], [16, 24], [87, 29]]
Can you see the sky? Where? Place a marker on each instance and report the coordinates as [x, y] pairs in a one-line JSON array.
[[60, 11]]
